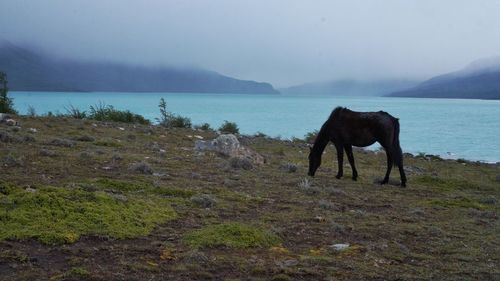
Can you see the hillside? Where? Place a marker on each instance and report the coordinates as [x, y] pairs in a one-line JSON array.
[[89, 200], [350, 87], [29, 70], [479, 80]]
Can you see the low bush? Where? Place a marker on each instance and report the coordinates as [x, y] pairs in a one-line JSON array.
[[103, 112], [229, 128]]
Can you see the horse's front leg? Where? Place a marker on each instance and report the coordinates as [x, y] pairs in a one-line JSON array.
[[350, 156], [340, 160]]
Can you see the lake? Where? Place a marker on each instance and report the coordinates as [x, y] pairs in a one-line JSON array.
[[451, 128]]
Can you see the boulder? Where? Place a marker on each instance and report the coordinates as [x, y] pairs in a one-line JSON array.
[[4, 117], [228, 145]]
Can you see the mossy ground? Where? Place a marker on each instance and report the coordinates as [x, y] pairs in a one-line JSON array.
[[78, 212]]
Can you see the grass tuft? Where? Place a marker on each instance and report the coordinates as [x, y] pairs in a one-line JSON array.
[[231, 235]]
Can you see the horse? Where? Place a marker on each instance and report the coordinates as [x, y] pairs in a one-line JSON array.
[[347, 128]]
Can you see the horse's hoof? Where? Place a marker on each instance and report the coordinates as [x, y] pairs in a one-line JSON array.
[[338, 177], [354, 178], [384, 182], [403, 184]]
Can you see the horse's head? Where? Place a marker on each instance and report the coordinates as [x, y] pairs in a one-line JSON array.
[[314, 161]]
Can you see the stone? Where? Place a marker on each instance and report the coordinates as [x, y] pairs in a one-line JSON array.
[[46, 152], [204, 200], [289, 167], [62, 142], [3, 117], [228, 145], [29, 189], [141, 167], [11, 122], [339, 247]]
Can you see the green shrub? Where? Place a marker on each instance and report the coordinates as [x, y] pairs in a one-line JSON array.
[[204, 127], [170, 120], [232, 235], [74, 112], [103, 112], [311, 136], [6, 103], [229, 128]]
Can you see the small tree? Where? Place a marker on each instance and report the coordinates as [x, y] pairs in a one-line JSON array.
[[6, 103], [169, 120], [229, 128]]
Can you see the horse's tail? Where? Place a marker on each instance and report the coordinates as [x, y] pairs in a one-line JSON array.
[[396, 148], [395, 137]]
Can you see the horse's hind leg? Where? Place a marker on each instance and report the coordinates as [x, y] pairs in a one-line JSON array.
[[389, 166], [398, 159], [340, 160], [350, 156]]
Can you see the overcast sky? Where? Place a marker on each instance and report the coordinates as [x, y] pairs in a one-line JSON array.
[[283, 42]]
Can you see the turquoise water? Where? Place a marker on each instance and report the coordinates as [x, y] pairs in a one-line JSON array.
[[451, 128]]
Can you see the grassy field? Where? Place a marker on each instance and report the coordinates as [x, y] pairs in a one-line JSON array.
[[89, 200]]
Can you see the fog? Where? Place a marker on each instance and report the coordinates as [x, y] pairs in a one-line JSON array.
[[281, 42]]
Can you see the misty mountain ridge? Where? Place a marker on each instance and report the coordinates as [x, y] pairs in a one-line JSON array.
[[349, 87], [29, 70], [478, 80]]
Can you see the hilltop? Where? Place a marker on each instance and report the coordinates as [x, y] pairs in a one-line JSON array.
[[90, 200], [30, 70], [478, 80]]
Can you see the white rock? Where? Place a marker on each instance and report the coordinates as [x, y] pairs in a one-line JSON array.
[[32, 130], [339, 247]]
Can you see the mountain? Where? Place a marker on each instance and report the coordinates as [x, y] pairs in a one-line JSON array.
[[350, 87], [29, 70], [478, 80]]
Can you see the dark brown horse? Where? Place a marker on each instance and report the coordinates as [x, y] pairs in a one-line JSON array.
[[346, 128]]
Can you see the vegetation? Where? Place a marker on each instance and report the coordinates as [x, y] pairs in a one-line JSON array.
[[103, 112], [311, 136], [62, 215], [198, 216], [6, 103], [170, 120], [204, 127], [229, 128], [231, 235]]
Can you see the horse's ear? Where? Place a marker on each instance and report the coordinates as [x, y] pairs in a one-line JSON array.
[[310, 147]]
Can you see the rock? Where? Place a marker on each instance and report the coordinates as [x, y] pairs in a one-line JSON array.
[[85, 138], [119, 197], [413, 170], [29, 189], [289, 168], [339, 247], [141, 167], [228, 145], [11, 122], [46, 152], [195, 257], [325, 204], [338, 228], [489, 200], [336, 192], [6, 137], [29, 138], [319, 219], [204, 200], [62, 142], [3, 117], [240, 163]]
